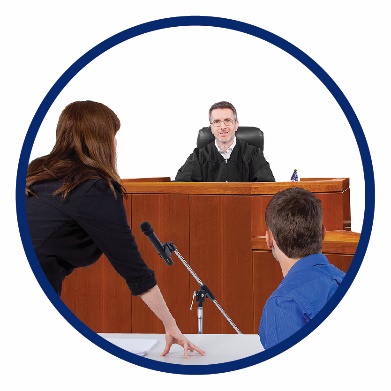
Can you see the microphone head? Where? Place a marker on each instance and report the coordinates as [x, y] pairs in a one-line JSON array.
[[146, 228]]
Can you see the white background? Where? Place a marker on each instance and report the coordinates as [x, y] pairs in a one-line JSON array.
[[161, 86]]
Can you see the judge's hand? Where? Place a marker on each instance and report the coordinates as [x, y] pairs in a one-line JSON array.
[[174, 336]]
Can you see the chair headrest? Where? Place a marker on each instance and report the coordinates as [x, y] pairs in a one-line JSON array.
[[250, 134]]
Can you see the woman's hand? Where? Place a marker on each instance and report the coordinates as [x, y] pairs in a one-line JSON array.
[[155, 301], [174, 336]]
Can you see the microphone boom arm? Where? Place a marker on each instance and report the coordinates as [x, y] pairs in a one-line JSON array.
[[171, 247]]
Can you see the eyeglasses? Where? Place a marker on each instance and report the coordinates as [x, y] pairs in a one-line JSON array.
[[227, 122]]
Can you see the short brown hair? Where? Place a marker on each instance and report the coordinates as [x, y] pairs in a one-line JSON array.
[[294, 216], [223, 105]]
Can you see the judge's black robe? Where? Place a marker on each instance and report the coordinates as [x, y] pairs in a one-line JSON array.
[[246, 164]]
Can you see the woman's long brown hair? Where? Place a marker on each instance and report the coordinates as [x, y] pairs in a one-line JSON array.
[[84, 149]]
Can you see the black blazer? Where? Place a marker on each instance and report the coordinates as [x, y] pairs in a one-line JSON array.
[[75, 232]]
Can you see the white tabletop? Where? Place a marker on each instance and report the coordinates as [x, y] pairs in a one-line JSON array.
[[218, 348]]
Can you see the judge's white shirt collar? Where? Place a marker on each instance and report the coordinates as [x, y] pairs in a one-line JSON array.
[[226, 155]]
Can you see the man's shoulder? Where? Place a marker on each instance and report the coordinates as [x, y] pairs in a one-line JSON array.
[[311, 278], [247, 150], [246, 144]]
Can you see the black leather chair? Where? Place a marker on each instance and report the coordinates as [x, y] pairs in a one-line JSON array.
[[250, 134]]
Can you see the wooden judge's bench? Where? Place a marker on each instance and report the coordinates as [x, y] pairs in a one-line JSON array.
[[219, 229]]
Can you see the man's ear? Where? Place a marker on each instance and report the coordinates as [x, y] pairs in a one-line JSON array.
[[323, 231], [269, 239]]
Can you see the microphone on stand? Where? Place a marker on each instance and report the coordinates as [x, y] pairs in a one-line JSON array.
[[163, 250]]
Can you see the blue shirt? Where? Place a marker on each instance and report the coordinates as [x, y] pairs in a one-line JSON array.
[[304, 291]]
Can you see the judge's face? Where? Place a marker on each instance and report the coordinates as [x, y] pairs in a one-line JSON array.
[[223, 125]]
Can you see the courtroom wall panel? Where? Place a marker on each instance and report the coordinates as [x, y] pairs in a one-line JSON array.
[[169, 217], [267, 277], [99, 297], [220, 253]]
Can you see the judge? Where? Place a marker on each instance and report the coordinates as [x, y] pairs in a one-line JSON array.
[[226, 159]]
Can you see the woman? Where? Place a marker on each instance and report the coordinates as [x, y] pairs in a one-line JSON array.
[[75, 210]]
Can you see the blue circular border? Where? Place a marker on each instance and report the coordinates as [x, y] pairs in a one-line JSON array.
[[210, 22]]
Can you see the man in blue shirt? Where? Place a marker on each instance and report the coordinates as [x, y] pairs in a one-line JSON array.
[[294, 234]]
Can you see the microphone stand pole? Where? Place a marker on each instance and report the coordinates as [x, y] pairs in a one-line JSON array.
[[201, 294]]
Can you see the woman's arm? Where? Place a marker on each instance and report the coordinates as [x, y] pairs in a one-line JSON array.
[[155, 301]]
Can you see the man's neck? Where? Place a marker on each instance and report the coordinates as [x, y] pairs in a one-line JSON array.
[[223, 147], [285, 262], [287, 265]]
